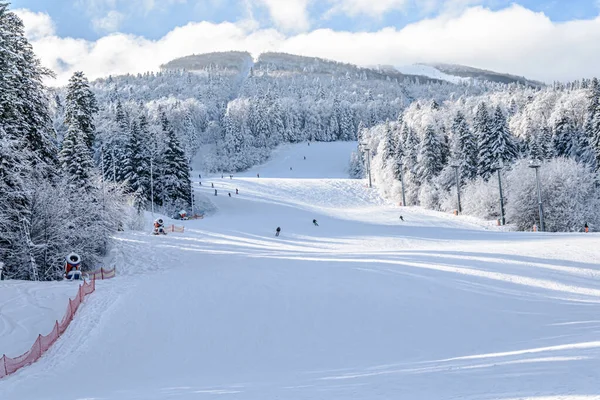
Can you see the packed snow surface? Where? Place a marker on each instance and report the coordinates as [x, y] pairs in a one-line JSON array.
[[28, 309], [364, 306]]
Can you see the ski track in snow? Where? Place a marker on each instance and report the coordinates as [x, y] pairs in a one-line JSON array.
[[364, 306]]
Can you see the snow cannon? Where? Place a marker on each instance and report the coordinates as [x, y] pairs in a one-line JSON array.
[[159, 227], [73, 267]]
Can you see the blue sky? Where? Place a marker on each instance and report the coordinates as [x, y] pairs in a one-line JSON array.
[[155, 18], [541, 39]]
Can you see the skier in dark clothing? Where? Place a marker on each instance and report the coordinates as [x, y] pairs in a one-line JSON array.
[[257, 175], [199, 176], [401, 218], [315, 223], [230, 176], [290, 168], [277, 231], [212, 185], [221, 176], [305, 157], [200, 183], [215, 192], [230, 194], [236, 191]]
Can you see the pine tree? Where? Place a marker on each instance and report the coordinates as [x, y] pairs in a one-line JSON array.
[[398, 159], [504, 147], [176, 184], [81, 107], [430, 157], [547, 145], [485, 142], [464, 148], [137, 168], [388, 144], [76, 161], [536, 151], [411, 149], [564, 137]]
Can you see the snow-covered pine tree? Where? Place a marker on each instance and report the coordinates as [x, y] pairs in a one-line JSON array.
[[536, 152], [464, 147], [398, 158], [430, 157], [81, 106], [504, 147], [175, 179], [24, 113], [485, 142], [28, 156], [137, 168], [411, 149], [76, 160], [388, 146], [546, 143], [564, 137], [595, 140]]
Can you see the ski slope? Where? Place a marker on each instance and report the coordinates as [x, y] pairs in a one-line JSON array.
[[28, 309], [364, 306]]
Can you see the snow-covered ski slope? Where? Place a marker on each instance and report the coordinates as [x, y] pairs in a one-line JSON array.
[[362, 307], [28, 309]]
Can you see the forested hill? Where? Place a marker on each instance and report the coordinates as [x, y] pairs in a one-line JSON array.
[[236, 109]]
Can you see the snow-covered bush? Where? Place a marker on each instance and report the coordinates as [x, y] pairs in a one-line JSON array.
[[570, 196], [356, 167], [481, 198], [430, 196]]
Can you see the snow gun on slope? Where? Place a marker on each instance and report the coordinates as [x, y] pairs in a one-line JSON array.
[[73, 267]]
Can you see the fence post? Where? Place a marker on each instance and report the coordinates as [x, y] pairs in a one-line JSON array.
[[39, 346], [4, 362]]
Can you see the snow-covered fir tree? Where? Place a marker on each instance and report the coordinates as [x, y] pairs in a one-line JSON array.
[[175, 178], [81, 107], [430, 156], [464, 147]]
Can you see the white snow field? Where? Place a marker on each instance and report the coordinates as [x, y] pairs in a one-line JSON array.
[[28, 309], [363, 306]]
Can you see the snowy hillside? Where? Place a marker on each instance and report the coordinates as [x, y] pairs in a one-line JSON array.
[[460, 73], [429, 71], [364, 306]]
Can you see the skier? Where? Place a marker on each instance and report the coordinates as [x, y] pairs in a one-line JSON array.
[[221, 176], [236, 191], [309, 143], [315, 223], [402, 219], [230, 176], [215, 192], [587, 228], [290, 168], [257, 175], [305, 157], [200, 183], [277, 231], [199, 176], [229, 194], [212, 185]]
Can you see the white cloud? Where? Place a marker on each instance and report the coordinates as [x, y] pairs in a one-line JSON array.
[[109, 23], [514, 40], [369, 7], [289, 15], [37, 25]]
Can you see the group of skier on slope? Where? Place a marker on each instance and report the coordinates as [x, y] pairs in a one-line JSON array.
[[278, 230]]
